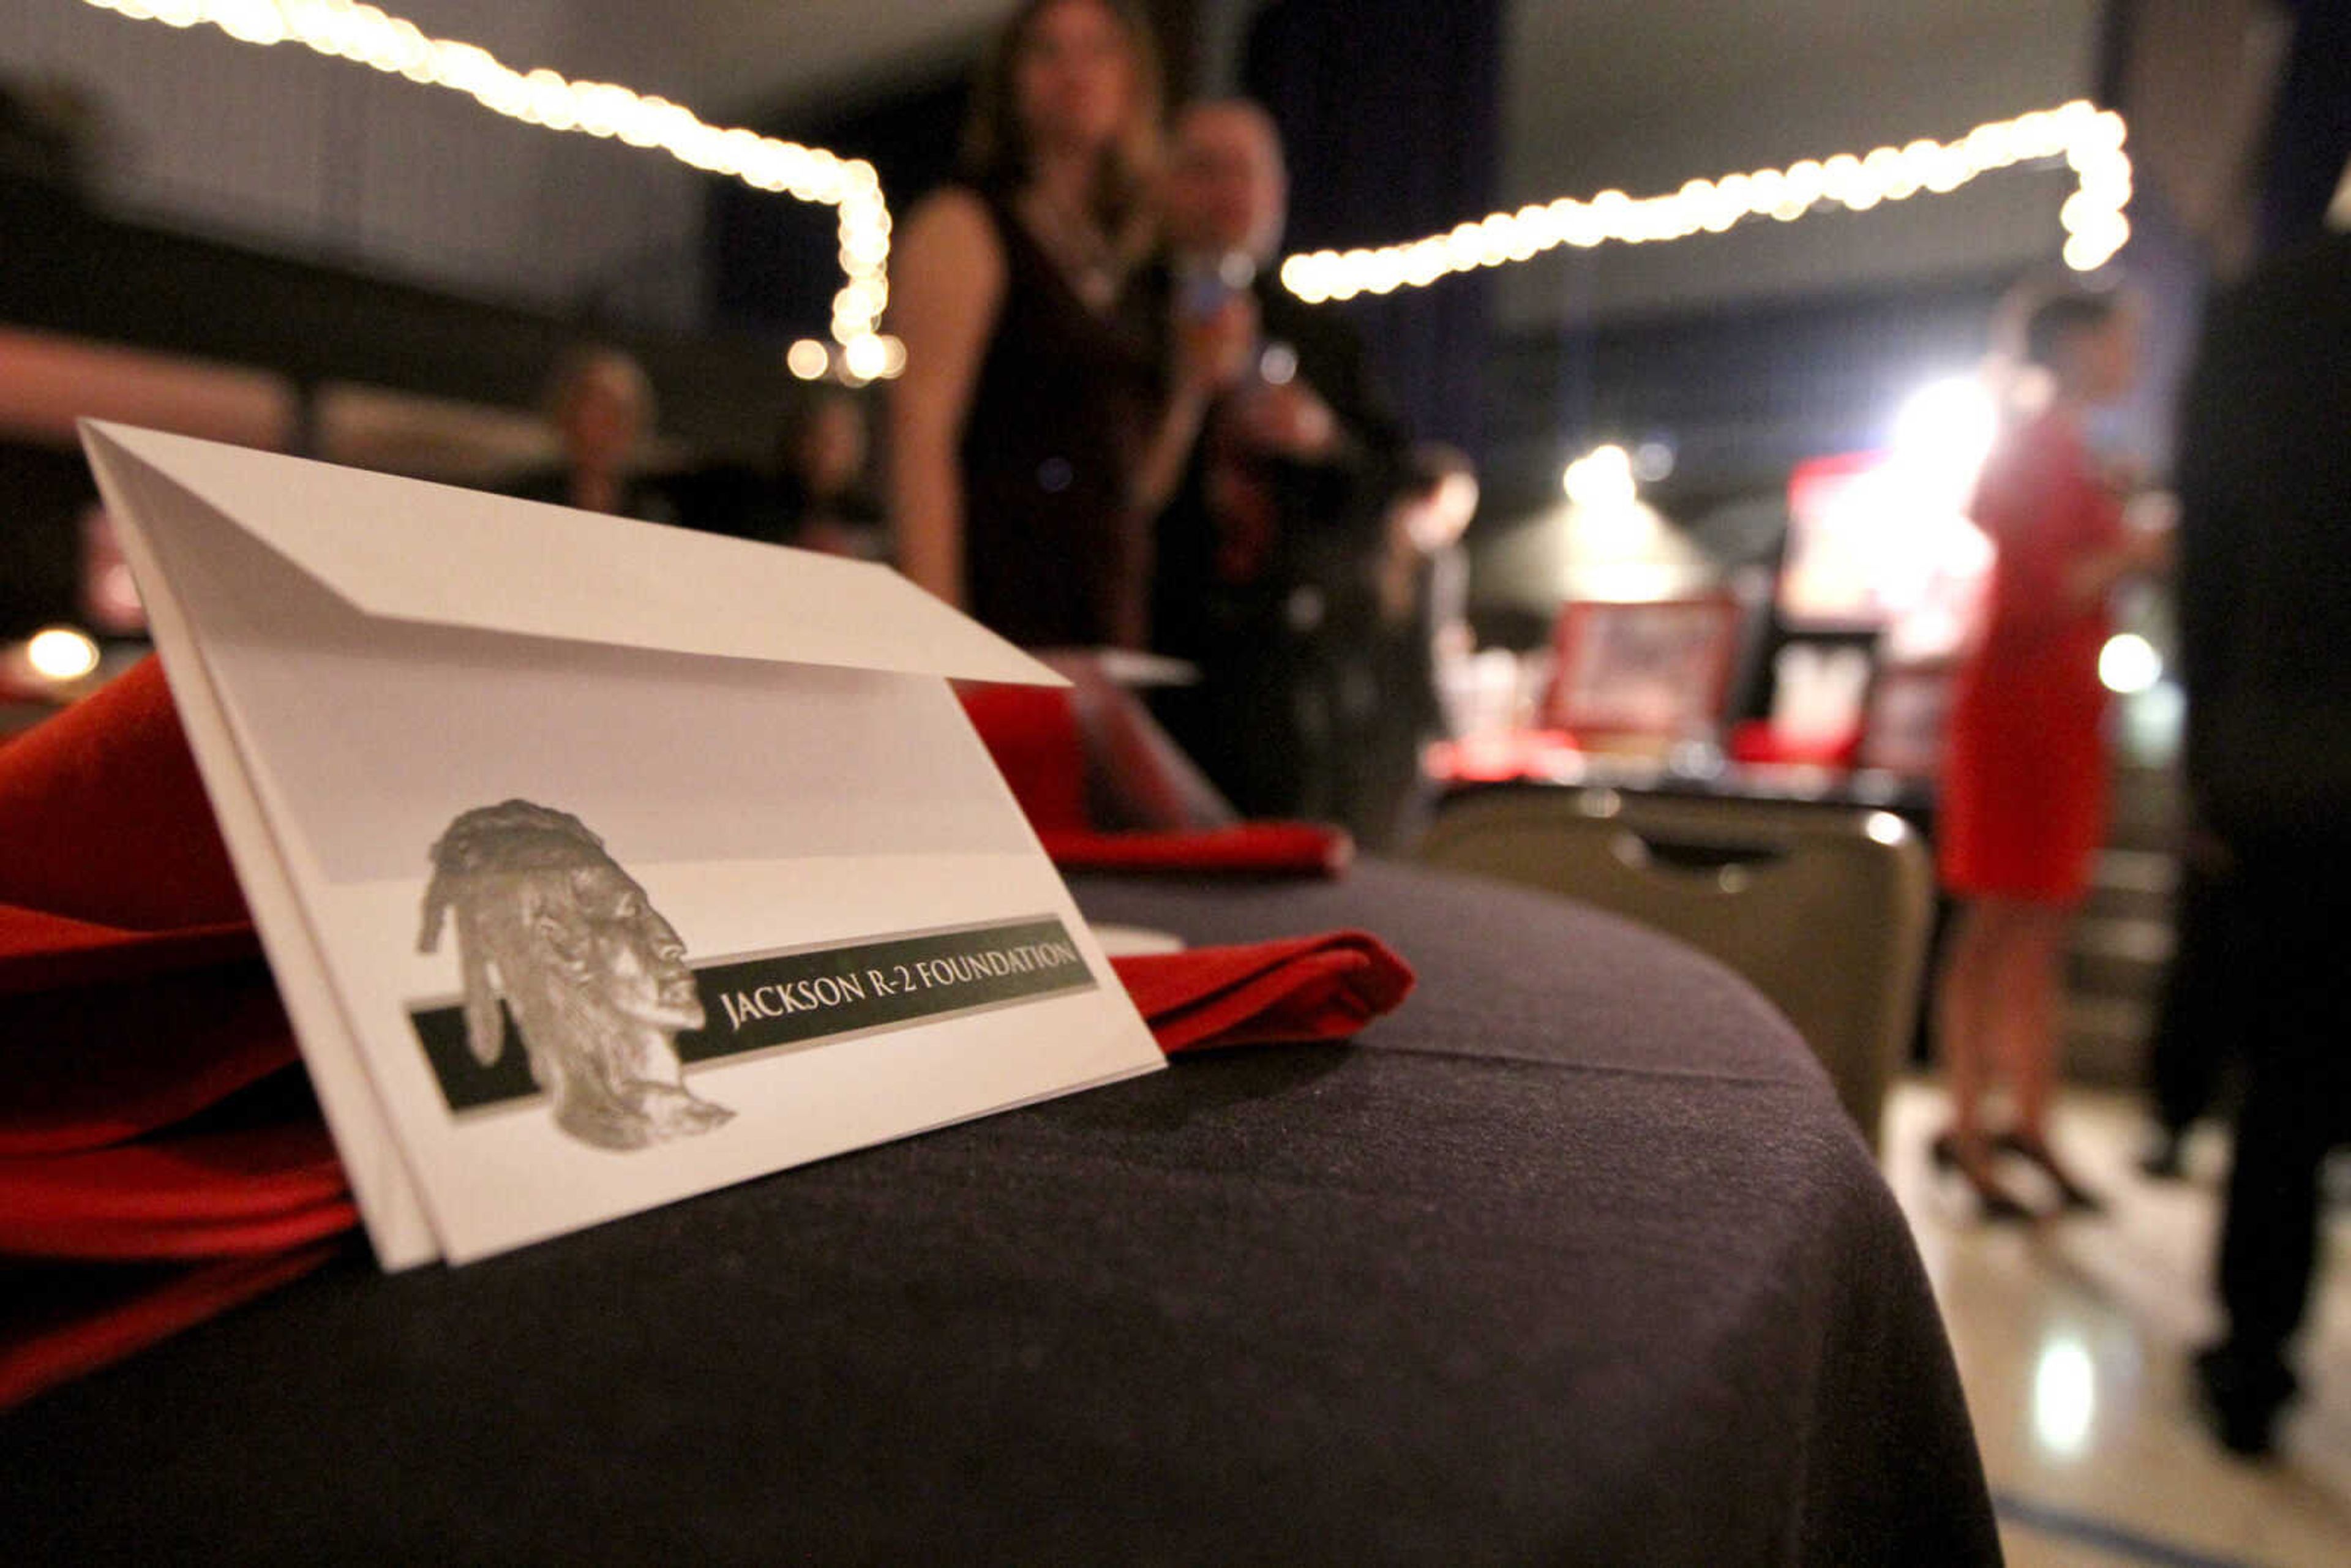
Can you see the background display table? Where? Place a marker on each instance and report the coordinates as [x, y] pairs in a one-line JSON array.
[[1573, 1259]]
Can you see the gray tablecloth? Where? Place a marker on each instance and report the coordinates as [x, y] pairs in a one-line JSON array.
[[1573, 1259]]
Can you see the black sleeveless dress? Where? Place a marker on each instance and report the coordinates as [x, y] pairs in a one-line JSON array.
[[1054, 554]]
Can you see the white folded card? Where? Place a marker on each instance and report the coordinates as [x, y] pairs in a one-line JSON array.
[[600, 863]]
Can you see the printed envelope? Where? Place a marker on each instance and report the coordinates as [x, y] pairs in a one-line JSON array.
[[600, 863]]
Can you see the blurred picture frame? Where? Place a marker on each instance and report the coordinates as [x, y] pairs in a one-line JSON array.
[[1642, 670], [1909, 709]]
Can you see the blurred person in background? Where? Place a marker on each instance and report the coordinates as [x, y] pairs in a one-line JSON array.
[[813, 494], [821, 499], [1422, 591], [2188, 1056], [601, 406], [1270, 546], [1024, 431], [2264, 486], [2023, 802]]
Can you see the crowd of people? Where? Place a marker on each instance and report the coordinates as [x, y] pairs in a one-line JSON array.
[[1115, 430], [2264, 486]]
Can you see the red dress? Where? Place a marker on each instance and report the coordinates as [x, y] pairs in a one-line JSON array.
[[2023, 797]]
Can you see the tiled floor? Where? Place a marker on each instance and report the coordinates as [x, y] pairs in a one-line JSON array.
[[2073, 1337]]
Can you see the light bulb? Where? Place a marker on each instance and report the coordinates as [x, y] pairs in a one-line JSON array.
[[61, 653], [807, 358]]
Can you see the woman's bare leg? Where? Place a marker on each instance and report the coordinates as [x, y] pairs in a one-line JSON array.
[[1968, 1015], [2025, 1008], [1960, 1021], [2021, 1004]]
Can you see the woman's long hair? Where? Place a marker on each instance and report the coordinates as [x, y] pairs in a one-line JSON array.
[[997, 157]]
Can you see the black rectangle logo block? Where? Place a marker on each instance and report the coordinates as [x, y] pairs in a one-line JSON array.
[[761, 1003]]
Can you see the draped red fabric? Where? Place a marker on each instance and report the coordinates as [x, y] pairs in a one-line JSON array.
[[1324, 986], [1260, 849], [142, 1308], [1032, 734], [103, 818]]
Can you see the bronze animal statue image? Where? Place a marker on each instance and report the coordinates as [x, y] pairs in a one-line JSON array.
[[596, 980]]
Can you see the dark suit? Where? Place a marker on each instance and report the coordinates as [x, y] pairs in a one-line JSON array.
[[2264, 486], [1284, 633]]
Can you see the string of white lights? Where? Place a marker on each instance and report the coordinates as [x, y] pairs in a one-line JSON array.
[[397, 46], [2089, 139]]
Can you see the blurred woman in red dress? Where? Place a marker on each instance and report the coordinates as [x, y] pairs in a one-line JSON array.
[[2023, 805]]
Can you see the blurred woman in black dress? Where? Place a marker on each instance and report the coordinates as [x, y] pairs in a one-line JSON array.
[[1033, 435]]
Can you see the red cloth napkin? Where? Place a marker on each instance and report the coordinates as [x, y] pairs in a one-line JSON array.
[[1106, 789], [1260, 849], [1760, 740], [103, 818], [198, 1194], [250, 1210], [112, 1318], [1304, 989], [40, 951], [89, 1065], [133, 998], [1032, 734]]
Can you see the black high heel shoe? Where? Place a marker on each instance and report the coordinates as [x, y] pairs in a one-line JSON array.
[[1993, 1201], [2071, 1193]]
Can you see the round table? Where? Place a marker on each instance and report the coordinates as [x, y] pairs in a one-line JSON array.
[[1573, 1259]]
